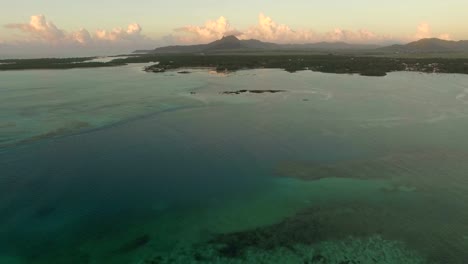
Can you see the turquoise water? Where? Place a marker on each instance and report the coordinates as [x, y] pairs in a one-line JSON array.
[[121, 166]]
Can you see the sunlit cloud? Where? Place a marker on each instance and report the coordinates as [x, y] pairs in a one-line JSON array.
[[81, 36], [41, 31], [445, 36], [211, 30], [360, 36], [424, 30], [132, 32], [267, 29]]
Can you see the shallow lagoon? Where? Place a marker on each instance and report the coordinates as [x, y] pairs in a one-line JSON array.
[[120, 166]]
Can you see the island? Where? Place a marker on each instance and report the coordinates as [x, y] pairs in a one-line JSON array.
[[230, 54]]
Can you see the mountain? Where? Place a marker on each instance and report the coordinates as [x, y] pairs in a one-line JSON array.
[[429, 45], [232, 43], [330, 46], [225, 44]]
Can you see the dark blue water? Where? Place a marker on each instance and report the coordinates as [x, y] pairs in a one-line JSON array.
[[111, 174], [62, 191]]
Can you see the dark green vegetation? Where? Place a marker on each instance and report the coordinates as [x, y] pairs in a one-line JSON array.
[[341, 64], [231, 54], [323, 63], [367, 66], [53, 63]]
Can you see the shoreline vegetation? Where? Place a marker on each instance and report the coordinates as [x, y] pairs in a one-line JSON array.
[[331, 63]]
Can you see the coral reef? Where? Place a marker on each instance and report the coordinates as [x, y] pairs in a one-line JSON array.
[[427, 170], [134, 244], [351, 250]]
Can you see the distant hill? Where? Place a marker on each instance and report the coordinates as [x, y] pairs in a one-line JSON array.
[[430, 45], [226, 43], [330, 46], [232, 43]]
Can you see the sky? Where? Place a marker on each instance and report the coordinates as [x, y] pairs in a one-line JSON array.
[[91, 27]]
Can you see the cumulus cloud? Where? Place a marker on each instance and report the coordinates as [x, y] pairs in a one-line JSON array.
[[211, 30], [445, 36], [41, 31], [81, 36], [267, 29], [359, 36], [424, 30], [132, 32]]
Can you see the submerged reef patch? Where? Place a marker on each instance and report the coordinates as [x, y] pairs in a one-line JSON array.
[[351, 250], [427, 170], [343, 233], [44, 211], [393, 222], [72, 127], [134, 244]]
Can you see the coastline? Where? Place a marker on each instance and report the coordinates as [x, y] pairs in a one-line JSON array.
[[338, 64]]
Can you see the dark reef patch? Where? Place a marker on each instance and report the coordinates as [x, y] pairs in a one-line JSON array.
[[134, 244], [408, 171], [73, 127], [337, 223], [44, 211]]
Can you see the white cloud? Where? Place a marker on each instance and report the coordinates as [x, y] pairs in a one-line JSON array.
[[211, 30], [360, 36], [81, 36], [133, 32], [424, 30], [445, 36], [268, 30], [39, 31]]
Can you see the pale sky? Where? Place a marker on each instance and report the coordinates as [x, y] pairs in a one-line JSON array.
[[93, 25]]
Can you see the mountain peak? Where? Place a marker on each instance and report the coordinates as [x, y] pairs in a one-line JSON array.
[[230, 38], [226, 43]]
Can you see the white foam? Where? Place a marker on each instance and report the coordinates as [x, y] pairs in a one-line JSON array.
[[461, 96]]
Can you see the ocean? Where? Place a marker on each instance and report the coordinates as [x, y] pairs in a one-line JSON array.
[[116, 165]]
